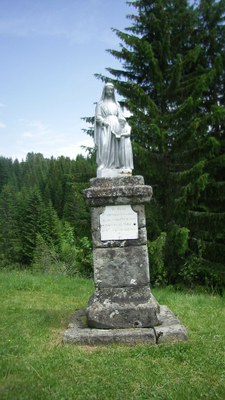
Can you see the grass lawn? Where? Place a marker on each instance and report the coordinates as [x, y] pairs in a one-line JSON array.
[[34, 364]]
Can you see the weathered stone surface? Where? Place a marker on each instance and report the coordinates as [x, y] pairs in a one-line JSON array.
[[103, 337], [117, 191], [78, 332], [127, 266], [118, 196], [123, 308], [118, 181], [122, 296], [116, 316], [170, 329], [121, 268], [140, 210], [95, 217], [167, 317]]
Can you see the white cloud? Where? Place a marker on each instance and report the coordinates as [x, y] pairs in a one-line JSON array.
[[39, 127], [73, 150], [38, 137], [2, 125], [27, 134]]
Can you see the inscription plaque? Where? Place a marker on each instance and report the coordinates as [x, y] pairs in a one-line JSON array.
[[118, 223]]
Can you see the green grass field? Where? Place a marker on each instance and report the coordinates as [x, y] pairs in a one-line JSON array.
[[34, 364]]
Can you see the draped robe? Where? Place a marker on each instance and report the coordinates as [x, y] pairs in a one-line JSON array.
[[112, 137]]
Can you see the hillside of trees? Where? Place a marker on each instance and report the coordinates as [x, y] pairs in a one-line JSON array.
[[44, 222]]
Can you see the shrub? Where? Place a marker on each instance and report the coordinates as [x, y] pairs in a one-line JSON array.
[[156, 258]]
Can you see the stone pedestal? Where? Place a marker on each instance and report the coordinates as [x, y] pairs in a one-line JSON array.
[[122, 297], [122, 309]]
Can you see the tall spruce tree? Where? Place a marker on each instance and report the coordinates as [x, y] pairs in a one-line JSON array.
[[202, 183], [5, 171], [31, 223], [10, 241], [172, 81]]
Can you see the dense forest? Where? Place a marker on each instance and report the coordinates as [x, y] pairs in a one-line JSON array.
[[172, 80], [44, 223]]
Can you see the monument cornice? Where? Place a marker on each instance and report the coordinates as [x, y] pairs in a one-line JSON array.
[[118, 191]]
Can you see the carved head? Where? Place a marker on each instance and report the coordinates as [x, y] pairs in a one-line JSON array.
[[108, 91]]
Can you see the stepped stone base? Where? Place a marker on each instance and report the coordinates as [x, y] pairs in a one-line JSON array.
[[117, 308], [170, 330], [122, 309], [119, 316]]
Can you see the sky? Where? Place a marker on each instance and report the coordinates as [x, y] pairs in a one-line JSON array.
[[50, 51]]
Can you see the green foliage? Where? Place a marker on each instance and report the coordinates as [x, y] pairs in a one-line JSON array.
[[75, 253], [45, 258], [36, 219], [179, 237], [156, 248], [172, 80], [43, 216], [10, 240], [75, 211], [84, 257], [198, 271], [77, 258], [5, 167], [73, 258]]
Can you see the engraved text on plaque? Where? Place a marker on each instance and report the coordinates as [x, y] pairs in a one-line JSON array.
[[119, 223]]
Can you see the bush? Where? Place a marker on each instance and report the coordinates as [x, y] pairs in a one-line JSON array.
[[46, 259], [197, 272], [75, 254], [73, 258], [156, 257]]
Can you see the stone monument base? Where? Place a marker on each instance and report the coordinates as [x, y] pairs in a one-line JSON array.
[[170, 330], [114, 315], [122, 309]]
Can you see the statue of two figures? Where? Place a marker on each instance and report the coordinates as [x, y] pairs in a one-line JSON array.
[[112, 137]]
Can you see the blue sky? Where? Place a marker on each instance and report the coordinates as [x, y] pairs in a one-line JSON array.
[[50, 50]]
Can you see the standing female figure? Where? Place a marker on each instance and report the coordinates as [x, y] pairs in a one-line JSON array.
[[112, 136]]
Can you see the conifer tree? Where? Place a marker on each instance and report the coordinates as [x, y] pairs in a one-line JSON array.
[[5, 171], [172, 81], [34, 171], [31, 222], [10, 241], [202, 195]]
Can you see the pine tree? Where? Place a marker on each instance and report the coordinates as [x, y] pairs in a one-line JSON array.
[[56, 183], [34, 171], [202, 184], [172, 80], [157, 55], [31, 222], [10, 241], [5, 171]]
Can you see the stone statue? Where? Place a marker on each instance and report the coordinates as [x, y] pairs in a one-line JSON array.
[[112, 137]]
